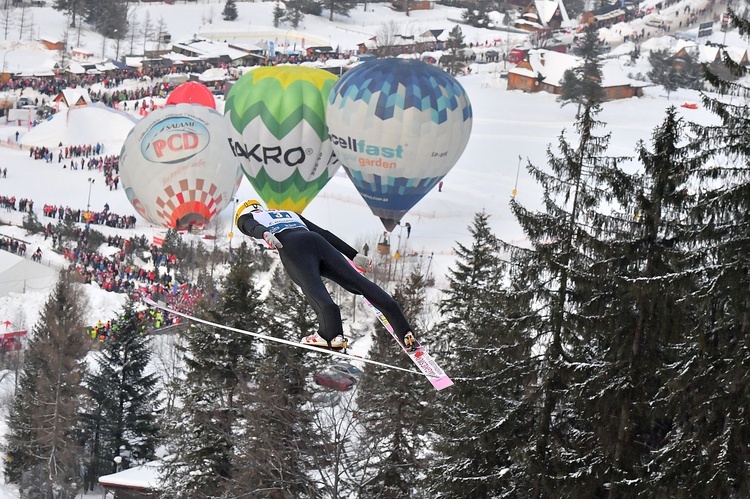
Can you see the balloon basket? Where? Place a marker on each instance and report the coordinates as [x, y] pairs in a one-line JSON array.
[[384, 249]]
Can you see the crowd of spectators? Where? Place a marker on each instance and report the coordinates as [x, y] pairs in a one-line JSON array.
[[13, 245], [24, 205], [117, 274], [114, 272], [104, 217]]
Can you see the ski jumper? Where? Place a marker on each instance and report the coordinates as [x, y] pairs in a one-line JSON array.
[[310, 253]]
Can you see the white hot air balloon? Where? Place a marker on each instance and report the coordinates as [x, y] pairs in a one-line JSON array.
[[177, 167]]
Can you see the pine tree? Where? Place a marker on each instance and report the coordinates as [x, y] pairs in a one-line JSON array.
[[452, 62], [708, 394], [662, 70], [477, 421], [583, 83], [477, 14], [294, 13], [341, 7], [276, 453], [122, 416], [42, 445], [475, 271], [230, 11], [220, 367], [109, 17], [636, 318], [392, 408], [278, 14], [689, 73], [556, 284]]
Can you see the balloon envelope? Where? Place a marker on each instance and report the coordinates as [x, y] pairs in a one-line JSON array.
[[177, 168], [398, 126], [278, 130], [192, 92]]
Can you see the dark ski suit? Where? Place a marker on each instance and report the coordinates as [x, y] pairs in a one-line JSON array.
[[311, 253]]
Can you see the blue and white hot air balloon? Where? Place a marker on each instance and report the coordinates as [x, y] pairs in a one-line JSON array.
[[398, 127]]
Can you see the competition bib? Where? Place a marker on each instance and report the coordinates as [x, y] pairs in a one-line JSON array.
[[279, 221]]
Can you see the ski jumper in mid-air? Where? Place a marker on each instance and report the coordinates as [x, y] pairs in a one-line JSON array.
[[309, 253]]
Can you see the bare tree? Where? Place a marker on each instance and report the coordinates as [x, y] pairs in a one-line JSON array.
[[168, 359], [338, 458], [7, 18], [23, 13], [161, 30], [62, 54], [132, 29], [386, 37], [147, 30]]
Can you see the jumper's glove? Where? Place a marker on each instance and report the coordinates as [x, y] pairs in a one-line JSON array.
[[363, 262], [272, 240]]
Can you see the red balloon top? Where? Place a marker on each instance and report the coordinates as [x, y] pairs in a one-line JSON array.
[[192, 92]]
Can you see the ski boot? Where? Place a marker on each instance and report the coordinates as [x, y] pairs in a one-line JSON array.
[[339, 343], [410, 343]]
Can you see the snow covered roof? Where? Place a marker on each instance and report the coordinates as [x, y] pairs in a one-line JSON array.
[[525, 22], [144, 477], [134, 62], [708, 53], [18, 273], [82, 51], [548, 8], [207, 49], [180, 58], [552, 65], [74, 96], [36, 73], [75, 68], [214, 74], [549, 64], [737, 54], [248, 47], [432, 35]]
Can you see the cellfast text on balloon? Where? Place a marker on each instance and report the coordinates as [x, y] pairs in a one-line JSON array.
[[359, 145]]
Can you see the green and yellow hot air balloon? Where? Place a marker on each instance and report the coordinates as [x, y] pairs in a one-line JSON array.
[[278, 130]]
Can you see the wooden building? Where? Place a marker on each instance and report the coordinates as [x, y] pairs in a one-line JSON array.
[[543, 70], [408, 5]]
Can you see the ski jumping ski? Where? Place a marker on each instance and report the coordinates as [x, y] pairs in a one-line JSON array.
[[192, 318], [421, 359]]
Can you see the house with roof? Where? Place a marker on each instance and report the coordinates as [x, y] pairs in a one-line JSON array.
[[543, 70], [139, 482], [710, 53], [544, 14], [81, 54], [210, 51], [52, 43], [72, 97], [408, 5]]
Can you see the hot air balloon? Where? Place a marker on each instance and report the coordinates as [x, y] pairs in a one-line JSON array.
[[398, 126], [192, 92], [176, 166], [278, 130]]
